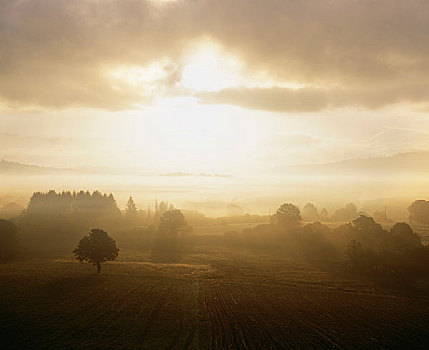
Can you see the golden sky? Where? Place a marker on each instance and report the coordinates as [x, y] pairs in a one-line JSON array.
[[214, 86]]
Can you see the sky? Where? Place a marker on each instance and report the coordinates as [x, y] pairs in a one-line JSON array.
[[226, 87]]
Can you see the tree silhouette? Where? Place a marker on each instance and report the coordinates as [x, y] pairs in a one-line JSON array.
[[324, 215], [131, 207], [96, 248], [309, 213], [419, 212], [8, 239], [83, 204], [348, 213], [288, 215], [402, 238], [163, 207], [171, 223], [367, 225]]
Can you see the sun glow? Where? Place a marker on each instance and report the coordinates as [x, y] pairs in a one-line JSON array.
[[205, 68], [179, 134], [208, 68]]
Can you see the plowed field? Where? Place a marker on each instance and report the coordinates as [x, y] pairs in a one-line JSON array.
[[218, 301]]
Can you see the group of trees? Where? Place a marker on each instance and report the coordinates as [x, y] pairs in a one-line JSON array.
[[287, 234], [51, 216], [310, 213], [76, 203], [367, 244], [53, 221], [348, 213], [135, 216], [419, 213], [87, 206], [98, 247], [374, 250]]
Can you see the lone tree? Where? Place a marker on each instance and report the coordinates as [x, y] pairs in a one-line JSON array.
[[172, 223], [8, 240], [288, 215], [96, 248]]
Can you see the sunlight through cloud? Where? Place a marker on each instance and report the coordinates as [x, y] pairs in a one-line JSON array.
[[209, 69]]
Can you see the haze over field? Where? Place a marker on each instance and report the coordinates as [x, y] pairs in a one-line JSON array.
[[372, 183]]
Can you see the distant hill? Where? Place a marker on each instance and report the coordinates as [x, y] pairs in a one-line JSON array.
[[15, 168], [7, 167], [401, 163]]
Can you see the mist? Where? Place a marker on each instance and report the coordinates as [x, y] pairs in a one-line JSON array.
[[214, 174]]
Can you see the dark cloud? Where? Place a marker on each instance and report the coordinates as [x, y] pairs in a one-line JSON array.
[[374, 52]]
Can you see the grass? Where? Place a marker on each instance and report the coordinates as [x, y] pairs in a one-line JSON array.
[[210, 298]]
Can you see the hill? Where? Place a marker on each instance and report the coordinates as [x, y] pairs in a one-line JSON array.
[[8, 167], [401, 163]]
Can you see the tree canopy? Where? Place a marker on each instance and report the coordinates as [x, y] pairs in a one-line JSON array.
[[419, 212], [310, 213], [172, 223], [78, 203], [288, 215], [348, 213], [96, 248], [403, 238]]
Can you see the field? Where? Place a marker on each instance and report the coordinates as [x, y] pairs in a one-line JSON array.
[[221, 229], [213, 298]]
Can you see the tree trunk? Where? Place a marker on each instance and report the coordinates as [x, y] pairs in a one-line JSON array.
[[98, 267]]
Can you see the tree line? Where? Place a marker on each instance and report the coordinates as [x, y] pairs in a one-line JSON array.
[[368, 246], [54, 220]]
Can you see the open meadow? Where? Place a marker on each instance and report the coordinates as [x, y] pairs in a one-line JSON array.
[[210, 297]]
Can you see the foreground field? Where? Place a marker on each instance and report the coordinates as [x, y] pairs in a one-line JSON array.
[[212, 299]]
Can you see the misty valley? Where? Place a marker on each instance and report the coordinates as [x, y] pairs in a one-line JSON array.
[[214, 174]]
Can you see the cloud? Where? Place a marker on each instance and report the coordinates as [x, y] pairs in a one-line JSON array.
[[54, 53], [183, 174], [316, 99], [274, 99], [361, 53]]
